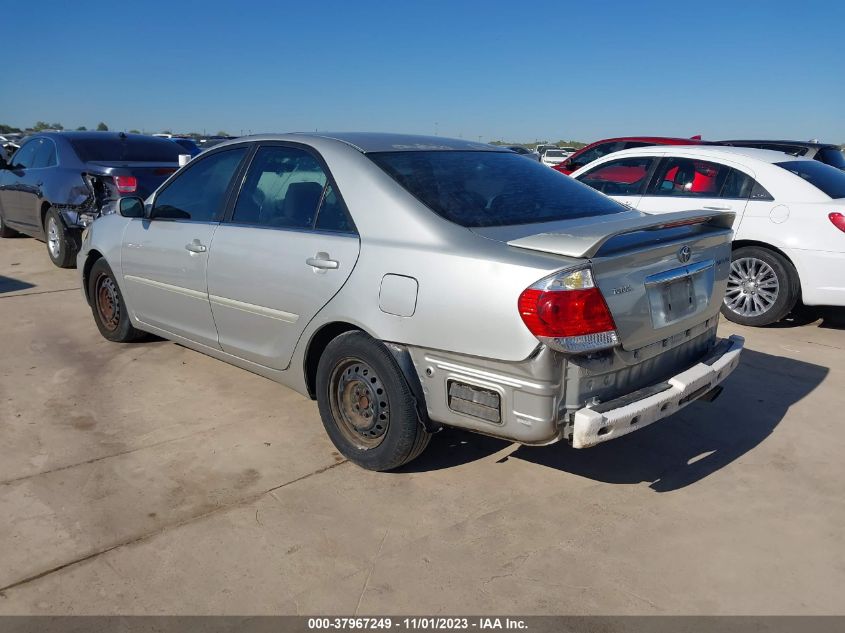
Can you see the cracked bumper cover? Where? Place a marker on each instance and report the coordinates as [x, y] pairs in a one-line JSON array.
[[595, 424]]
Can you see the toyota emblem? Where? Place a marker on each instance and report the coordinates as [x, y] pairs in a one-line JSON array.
[[684, 254]]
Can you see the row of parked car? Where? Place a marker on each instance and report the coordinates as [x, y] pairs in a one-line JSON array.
[[409, 283]]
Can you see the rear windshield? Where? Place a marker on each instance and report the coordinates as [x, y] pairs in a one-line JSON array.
[[478, 189], [129, 149], [555, 153], [824, 177], [831, 156]]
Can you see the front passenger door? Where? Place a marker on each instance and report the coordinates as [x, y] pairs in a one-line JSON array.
[[164, 257]]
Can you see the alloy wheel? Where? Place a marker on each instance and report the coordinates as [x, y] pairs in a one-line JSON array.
[[753, 287], [53, 239]]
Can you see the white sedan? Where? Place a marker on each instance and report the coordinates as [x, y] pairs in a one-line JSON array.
[[789, 241]]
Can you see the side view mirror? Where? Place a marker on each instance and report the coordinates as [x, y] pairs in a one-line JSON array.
[[131, 207]]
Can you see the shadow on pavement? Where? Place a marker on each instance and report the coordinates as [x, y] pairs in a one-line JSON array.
[[10, 284], [830, 317], [672, 453]]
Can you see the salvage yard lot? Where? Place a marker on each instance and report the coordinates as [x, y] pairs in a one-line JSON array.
[[148, 478]]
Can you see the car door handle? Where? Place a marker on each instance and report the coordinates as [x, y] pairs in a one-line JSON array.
[[196, 247], [716, 208], [321, 260]]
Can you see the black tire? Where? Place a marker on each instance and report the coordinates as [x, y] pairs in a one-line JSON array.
[[62, 242], [359, 383], [110, 313], [763, 287], [5, 231]]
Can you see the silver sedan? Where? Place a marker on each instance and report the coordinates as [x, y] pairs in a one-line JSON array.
[[407, 283]]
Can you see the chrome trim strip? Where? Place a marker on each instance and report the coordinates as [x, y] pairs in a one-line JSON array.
[[194, 294], [679, 273], [270, 313]]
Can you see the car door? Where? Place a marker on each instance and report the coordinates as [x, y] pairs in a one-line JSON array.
[[32, 184], [623, 179], [12, 195], [682, 183], [286, 248], [164, 257]]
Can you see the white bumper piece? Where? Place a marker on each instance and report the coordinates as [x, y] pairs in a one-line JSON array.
[[592, 427]]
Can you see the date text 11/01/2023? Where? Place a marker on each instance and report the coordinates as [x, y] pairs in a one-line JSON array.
[[415, 623]]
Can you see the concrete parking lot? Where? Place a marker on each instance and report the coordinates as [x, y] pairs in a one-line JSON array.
[[148, 478]]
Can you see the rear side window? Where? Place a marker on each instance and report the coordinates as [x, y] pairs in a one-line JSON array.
[[823, 177], [623, 177], [128, 149], [478, 189], [831, 156], [45, 154], [199, 192], [689, 177]]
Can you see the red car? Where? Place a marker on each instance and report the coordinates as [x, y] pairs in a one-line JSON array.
[[598, 149]]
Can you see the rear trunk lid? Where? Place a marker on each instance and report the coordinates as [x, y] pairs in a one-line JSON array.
[[149, 175], [659, 274]]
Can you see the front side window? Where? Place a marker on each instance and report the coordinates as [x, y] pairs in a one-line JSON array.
[[688, 177], [478, 189], [45, 154], [283, 189], [827, 179], [623, 177], [199, 192], [25, 155]]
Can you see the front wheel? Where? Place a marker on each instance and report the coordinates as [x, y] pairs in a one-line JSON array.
[[110, 313], [763, 287], [62, 243], [366, 404]]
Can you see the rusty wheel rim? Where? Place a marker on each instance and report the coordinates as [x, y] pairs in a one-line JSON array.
[[359, 403], [108, 302]]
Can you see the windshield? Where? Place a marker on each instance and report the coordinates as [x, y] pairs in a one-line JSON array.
[[129, 149], [478, 189], [824, 177], [555, 153]]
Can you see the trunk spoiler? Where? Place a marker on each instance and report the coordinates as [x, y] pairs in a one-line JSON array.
[[575, 238]]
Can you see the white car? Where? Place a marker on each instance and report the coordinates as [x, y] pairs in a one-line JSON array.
[[552, 157], [789, 241]]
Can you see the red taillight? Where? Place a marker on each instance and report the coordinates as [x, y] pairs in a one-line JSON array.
[[838, 220], [126, 184], [568, 312]]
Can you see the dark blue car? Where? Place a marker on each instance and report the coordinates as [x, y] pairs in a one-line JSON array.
[[59, 182]]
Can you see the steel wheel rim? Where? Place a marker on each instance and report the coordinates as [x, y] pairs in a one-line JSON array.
[[108, 302], [359, 403], [53, 238], [753, 287]]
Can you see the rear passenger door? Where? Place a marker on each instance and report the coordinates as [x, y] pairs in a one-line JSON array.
[[285, 249], [682, 184]]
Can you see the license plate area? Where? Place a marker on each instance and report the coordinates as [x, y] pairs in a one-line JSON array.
[[680, 293]]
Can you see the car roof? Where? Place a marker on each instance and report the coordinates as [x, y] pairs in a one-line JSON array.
[[673, 140], [367, 142], [716, 152], [92, 135]]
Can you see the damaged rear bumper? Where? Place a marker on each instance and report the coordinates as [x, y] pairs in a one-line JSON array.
[[609, 420]]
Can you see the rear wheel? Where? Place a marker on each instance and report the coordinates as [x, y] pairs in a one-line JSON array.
[[110, 313], [366, 405], [62, 243], [762, 288]]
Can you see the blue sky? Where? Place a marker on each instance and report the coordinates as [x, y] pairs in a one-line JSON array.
[[512, 70]]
